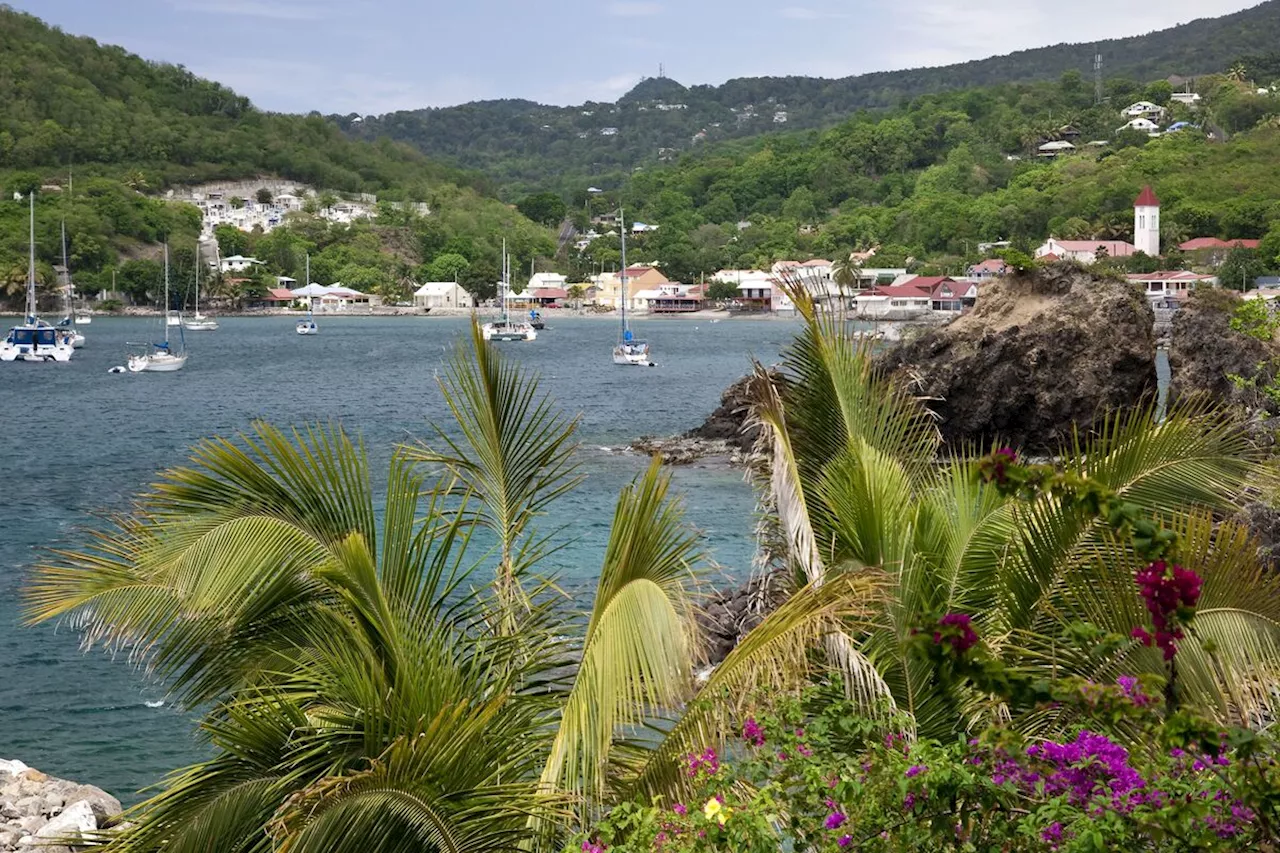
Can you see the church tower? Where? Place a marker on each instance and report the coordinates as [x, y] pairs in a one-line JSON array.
[[1146, 223]]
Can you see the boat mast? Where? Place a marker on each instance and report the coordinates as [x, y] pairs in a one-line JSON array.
[[197, 278], [165, 314], [307, 289], [66, 271], [31, 263], [622, 224], [505, 283]]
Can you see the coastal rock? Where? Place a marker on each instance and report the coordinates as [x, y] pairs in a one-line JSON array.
[[1041, 354], [1205, 352], [728, 422], [38, 810], [726, 616]]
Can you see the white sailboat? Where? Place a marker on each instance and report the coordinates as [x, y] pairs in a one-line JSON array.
[[67, 324], [504, 328], [628, 351], [34, 339], [160, 358], [308, 326], [199, 322]]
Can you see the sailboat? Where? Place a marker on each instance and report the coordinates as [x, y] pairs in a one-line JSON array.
[[199, 322], [34, 340], [160, 358], [504, 328], [628, 351], [308, 326], [67, 325]]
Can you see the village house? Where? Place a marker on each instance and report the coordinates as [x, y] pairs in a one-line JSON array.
[[1143, 125], [237, 263], [893, 301], [1170, 284], [1212, 251], [988, 269], [1190, 99], [1054, 148], [1143, 109], [673, 298], [542, 280], [442, 294], [1084, 251], [608, 286]]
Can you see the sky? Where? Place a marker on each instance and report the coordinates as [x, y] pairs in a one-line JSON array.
[[376, 56]]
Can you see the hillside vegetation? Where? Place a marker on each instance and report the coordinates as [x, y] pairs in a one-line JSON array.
[[524, 146], [128, 128], [933, 178]]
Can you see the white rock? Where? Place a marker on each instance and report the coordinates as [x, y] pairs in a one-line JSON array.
[[13, 766], [74, 822]]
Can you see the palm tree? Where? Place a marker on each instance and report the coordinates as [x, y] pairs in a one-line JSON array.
[[855, 487], [410, 683], [1237, 72]]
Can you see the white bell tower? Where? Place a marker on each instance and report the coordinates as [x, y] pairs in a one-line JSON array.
[[1146, 223]]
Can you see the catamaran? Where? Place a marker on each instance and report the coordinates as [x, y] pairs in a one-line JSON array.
[[67, 324], [198, 321], [308, 326], [160, 357], [628, 351], [504, 328], [35, 340]]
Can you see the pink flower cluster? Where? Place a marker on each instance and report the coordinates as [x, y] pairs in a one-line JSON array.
[[593, 847], [752, 733], [957, 630], [1169, 592], [1092, 765], [708, 762]]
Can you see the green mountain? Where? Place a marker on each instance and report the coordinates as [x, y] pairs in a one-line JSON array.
[[934, 178], [524, 146], [128, 128]]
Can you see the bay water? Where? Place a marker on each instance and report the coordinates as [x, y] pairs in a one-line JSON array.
[[81, 440]]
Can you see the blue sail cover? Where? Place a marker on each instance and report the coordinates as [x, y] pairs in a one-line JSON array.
[[626, 336]]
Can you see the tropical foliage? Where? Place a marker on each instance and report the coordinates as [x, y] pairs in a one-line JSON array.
[[391, 672]]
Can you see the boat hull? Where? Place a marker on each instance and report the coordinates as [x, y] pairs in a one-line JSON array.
[[508, 332], [58, 353], [200, 325], [307, 329], [625, 356], [157, 363]]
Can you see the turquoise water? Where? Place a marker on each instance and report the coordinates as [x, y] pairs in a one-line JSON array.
[[81, 440]]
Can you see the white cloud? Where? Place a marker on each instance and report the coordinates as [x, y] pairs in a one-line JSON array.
[[279, 10], [634, 10]]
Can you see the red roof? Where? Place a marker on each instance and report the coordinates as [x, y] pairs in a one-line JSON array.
[[1050, 257], [910, 290], [1146, 198], [280, 294], [550, 293], [1197, 243], [1168, 275]]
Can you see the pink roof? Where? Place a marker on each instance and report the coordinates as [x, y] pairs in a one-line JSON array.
[[1146, 198], [550, 293], [992, 265], [1050, 257], [282, 294], [816, 262], [908, 290], [1197, 243], [1168, 275]]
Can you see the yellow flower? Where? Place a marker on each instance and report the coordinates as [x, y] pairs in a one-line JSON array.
[[715, 810]]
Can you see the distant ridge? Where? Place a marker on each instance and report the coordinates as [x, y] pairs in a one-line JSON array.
[[511, 140]]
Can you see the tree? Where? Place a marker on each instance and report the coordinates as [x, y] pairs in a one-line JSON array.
[[721, 291], [231, 240], [380, 695], [546, 208], [447, 267], [576, 292], [1240, 268], [264, 196], [1159, 92]]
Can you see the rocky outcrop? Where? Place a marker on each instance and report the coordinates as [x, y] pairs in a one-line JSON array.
[[38, 811], [1205, 353], [727, 615], [1041, 353], [725, 432]]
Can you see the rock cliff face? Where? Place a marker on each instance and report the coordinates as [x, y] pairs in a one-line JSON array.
[[37, 810], [723, 433], [1040, 354], [1204, 351]]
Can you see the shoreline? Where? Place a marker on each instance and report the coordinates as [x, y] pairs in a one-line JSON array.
[[484, 314]]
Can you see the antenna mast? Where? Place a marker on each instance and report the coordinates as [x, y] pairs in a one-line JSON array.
[[1097, 75]]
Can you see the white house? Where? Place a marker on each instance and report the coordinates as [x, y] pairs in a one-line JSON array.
[[442, 294], [1170, 284], [546, 279], [1143, 125], [1190, 99], [1084, 251], [238, 263], [1143, 109]]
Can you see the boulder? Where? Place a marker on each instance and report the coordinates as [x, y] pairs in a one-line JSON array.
[[75, 823], [728, 423], [1041, 353], [1205, 352], [38, 811]]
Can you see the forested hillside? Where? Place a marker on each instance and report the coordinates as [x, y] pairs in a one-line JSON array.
[[934, 178], [526, 147], [126, 129]]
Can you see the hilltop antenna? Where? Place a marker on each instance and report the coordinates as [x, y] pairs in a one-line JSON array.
[[661, 71], [1097, 75]]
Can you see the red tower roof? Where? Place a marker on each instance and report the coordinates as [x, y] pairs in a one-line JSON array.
[[1147, 198]]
